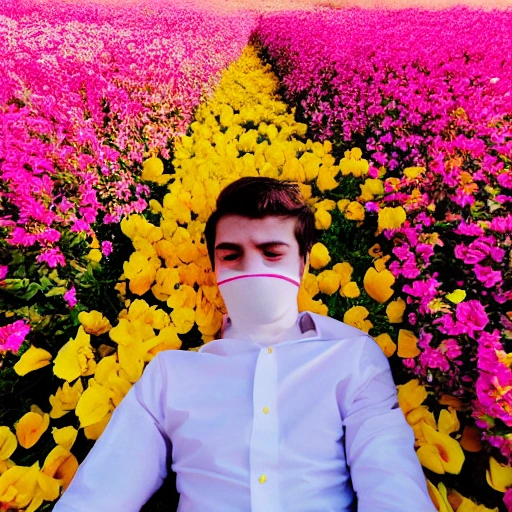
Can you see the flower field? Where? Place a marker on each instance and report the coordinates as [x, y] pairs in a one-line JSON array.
[[120, 127]]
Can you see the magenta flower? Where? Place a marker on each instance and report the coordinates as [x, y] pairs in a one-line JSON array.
[[13, 335], [472, 315], [70, 297], [53, 257], [106, 247], [3, 271], [488, 276]]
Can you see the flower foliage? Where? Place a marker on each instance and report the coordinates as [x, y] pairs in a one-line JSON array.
[[426, 95]]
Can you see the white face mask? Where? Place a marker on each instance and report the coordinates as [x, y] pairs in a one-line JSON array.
[[261, 303]]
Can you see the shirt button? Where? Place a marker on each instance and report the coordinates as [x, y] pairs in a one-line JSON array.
[[263, 478], [265, 410], [269, 350]]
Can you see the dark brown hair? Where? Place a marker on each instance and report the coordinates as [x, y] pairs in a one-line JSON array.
[[258, 196]]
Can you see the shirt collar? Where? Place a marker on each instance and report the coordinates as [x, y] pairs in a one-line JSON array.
[[228, 346]]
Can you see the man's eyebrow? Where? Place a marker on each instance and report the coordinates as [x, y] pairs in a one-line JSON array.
[[230, 245]]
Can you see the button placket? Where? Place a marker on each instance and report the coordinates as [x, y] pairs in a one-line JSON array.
[[264, 444]]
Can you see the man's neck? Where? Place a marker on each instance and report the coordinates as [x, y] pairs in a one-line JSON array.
[[265, 334]]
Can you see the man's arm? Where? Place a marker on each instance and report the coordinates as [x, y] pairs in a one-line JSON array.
[[128, 462], [386, 473]]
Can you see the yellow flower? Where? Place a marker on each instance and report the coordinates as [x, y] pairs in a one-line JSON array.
[[370, 189], [448, 421], [342, 204], [440, 453], [325, 180], [354, 211], [152, 170], [356, 316], [94, 404], [391, 218], [75, 358], [380, 263], [32, 359], [416, 418], [350, 290], [462, 504], [407, 344], [94, 322], [498, 476], [411, 395], [18, 486], [378, 284], [387, 345], [141, 271], [31, 427], [439, 496], [135, 225], [183, 319], [395, 311], [61, 465], [344, 269], [319, 256], [65, 399], [456, 296], [226, 115], [328, 281], [413, 172], [323, 219], [8, 443], [65, 436], [94, 255]]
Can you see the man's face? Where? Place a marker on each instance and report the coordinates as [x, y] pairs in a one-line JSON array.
[[238, 237]]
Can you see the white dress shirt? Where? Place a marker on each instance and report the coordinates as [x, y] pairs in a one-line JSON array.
[[297, 426]]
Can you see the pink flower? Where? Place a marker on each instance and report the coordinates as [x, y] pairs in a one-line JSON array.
[[70, 297], [3, 271], [488, 276], [472, 315], [507, 499], [106, 247], [53, 257], [20, 237], [468, 229], [13, 335]]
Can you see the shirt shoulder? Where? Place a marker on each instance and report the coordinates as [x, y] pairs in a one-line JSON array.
[[334, 329]]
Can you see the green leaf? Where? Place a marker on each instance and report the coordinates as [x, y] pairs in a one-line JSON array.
[[45, 283], [58, 290], [32, 289]]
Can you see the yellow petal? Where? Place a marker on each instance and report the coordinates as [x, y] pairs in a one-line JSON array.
[[395, 311], [411, 395], [65, 436], [391, 218], [387, 345], [407, 344], [94, 404], [30, 428], [33, 359], [499, 476], [456, 296], [450, 454], [378, 284], [8, 443], [439, 497]]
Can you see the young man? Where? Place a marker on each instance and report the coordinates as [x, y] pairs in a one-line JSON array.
[[285, 412]]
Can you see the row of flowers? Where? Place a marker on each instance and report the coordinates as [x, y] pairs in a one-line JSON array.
[[244, 130], [427, 98]]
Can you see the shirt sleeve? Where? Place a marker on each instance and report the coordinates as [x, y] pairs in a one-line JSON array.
[[379, 443], [128, 462]]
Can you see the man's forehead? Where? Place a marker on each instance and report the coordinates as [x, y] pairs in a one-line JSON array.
[[257, 233]]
